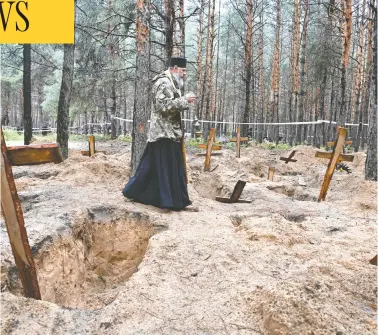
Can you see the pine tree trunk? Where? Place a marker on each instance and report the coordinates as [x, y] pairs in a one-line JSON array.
[[346, 7], [5, 102], [323, 89], [65, 98], [125, 113], [114, 110], [367, 78], [215, 107], [206, 80], [182, 28], [28, 123], [303, 90], [169, 7], [315, 141], [261, 117], [275, 78], [142, 100], [332, 109], [86, 123], [199, 83], [225, 81], [248, 67], [210, 86], [294, 72], [371, 157], [356, 114]]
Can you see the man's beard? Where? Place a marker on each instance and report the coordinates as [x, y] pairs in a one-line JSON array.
[[179, 80]]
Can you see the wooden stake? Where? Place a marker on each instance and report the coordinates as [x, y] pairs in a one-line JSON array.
[[92, 147], [289, 159], [238, 189], [14, 221], [238, 139], [92, 150], [209, 149], [335, 157], [271, 173]]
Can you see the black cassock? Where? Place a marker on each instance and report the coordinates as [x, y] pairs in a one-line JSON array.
[[160, 177]]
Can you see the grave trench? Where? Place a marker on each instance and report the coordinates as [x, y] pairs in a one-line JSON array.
[[294, 192], [85, 269]]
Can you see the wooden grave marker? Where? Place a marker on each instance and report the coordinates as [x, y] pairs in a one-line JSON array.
[[334, 157], [12, 210], [271, 173], [238, 189], [210, 146], [34, 154], [332, 144], [289, 159], [238, 139], [92, 147]]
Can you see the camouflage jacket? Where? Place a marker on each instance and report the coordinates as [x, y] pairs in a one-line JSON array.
[[167, 104]]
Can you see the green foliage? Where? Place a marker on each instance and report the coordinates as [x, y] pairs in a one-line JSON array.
[[10, 135], [192, 142], [229, 145], [78, 137], [349, 148], [127, 139], [48, 138], [274, 146], [50, 104], [14, 80]]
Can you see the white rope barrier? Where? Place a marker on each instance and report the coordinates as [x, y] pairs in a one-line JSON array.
[[202, 121], [97, 124], [125, 120], [258, 123]]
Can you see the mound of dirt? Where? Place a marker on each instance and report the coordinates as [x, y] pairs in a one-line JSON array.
[[282, 264]]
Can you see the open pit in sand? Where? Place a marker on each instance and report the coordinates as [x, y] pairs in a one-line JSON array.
[[284, 264], [84, 269]]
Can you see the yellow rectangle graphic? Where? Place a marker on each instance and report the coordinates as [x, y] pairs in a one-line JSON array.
[[37, 21]]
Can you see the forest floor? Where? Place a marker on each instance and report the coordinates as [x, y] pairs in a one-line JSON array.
[[283, 264]]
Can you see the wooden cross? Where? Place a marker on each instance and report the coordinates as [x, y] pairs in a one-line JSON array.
[[11, 206], [334, 157], [289, 159], [332, 144], [210, 146], [92, 149], [238, 139], [238, 189]]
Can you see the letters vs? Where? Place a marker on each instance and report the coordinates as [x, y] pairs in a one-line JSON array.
[[7, 11]]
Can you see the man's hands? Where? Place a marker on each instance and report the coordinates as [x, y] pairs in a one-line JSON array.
[[190, 97]]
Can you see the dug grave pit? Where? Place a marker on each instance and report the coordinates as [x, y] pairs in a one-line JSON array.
[[86, 268]]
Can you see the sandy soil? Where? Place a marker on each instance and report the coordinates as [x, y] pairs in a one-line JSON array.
[[283, 264]]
